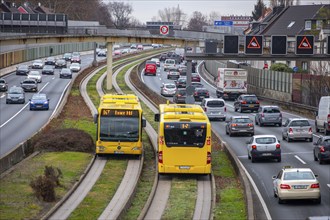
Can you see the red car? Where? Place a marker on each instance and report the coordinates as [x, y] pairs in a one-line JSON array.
[[75, 59], [150, 69], [195, 77]]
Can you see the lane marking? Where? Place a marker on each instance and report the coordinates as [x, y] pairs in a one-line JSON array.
[[298, 158], [59, 101], [142, 76], [328, 185], [2, 96], [21, 108]]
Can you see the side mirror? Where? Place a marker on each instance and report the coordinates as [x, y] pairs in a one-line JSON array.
[[279, 141], [144, 122], [30, 100], [95, 118], [274, 177], [316, 175], [248, 142], [157, 116], [48, 100]]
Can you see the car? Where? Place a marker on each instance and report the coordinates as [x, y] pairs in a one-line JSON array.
[[169, 63], [66, 73], [75, 67], [48, 69], [37, 64], [268, 115], [197, 85], [126, 50], [182, 70], [39, 101], [50, 61], [322, 119], [76, 54], [263, 147], [22, 70], [155, 46], [297, 129], [246, 102], [180, 96], [133, 46], [239, 125], [173, 74], [60, 63], [321, 149], [75, 59], [150, 68], [181, 82], [296, 183], [29, 85], [3, 85], [102, 53], [35, 74], [140, 47], [214, 108], [163, 57], [195, 77], [157, 61], [15, 94], [168, 89], [201, 93], [117, 52], [67, 56]]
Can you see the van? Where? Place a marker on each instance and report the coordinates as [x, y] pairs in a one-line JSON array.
[[168, 64], [322, 120], [215, 108], [150, 68]]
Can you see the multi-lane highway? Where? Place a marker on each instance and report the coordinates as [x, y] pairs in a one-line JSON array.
[[297, 154]]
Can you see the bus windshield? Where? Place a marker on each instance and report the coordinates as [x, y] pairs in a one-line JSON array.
[[185, 134], [119, 129]]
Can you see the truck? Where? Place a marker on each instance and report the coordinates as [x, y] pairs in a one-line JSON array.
[[231, 83]]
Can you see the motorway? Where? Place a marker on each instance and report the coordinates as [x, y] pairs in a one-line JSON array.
[[17, 122], [297, 154]]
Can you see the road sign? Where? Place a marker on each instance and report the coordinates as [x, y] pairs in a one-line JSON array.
[[253, 44], [304, 45], [279, 45], [328, 45], [164, 29], [295, 69], [223, 23], [211, 46], [231, 45], [190, 99]]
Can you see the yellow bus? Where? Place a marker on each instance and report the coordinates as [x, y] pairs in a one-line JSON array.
[[119, 125], [184, 139]]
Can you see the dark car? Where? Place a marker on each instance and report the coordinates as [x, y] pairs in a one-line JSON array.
[[75, 59], [48, 69], [67, 56], [60, 63], [3, 85], [246, 102], [195, 77], [15, 94], [22, 70], [322, 149], [239, 125], [50, 61], [163, 57], [66, 73], [180, 96], [197, 84], [268, 115], [29, 85], [201, 93], [181, 82], [39, 101]]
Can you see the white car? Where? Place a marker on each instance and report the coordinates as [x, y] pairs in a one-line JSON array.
[[169, 64], [214, 108], [168, 89], [38, 64], [296, 183], [34, 74], [75, 67], [157, 61], [264, 146]]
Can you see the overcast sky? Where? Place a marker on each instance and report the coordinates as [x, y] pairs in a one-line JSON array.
[[144, 10]]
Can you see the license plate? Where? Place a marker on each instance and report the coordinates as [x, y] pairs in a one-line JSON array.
[[251, 105], [119, 152], [266, 154], [300, 186], [184, 167]]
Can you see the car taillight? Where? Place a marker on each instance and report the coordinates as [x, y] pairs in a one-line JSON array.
[[254, 146], [290, 130], [310, 130], [278, 146], [243, 102], [225, 109], [233, 125], [208, 158], [257, 102], [161, 140], [322, 149], [195, 93], [160, 157], [328, 118], [315, 186], [207, 93], [250, 125], [205, 109], [285, 186]]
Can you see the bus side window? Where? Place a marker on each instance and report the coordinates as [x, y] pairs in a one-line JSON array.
[[144, 122], [95, 118]]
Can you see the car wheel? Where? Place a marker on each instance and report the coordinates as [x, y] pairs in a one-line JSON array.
[[249, 157], [7, 102], [255, 121], [230, 134], [320, 161], [261, 124], [283, 138], [279, 124], [318, 201], [240, 110], [253, 159], [279, 159], [235, 109], [275, 195], [326, 132], [316, 128], [227, 131], [288, 139], [31, 109], [280, 201], [310, 139], [315, 157]]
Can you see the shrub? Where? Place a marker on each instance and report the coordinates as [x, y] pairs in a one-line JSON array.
[[281, 67]]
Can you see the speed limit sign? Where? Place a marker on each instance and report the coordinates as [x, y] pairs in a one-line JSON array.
[[164, 29]]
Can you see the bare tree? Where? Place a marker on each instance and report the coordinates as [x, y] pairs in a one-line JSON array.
[[213, 16], [174, 14], [120, 13], [197, 21]]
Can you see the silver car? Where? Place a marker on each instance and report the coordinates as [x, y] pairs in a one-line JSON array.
[[239, 125], [268, 115], [214, 108], [263, 146], [75, 67], [297, 129], [168, 89], [34, 74]]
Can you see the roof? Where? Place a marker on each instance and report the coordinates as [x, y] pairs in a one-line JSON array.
[[235, 117], [264, 135], [296, 119], [296, 169], [297, 14]]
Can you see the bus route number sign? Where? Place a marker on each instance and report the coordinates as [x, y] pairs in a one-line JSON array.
[[120, 113]]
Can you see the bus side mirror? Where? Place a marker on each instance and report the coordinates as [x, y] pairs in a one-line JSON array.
[[144, 122], [95, 118], [157, 117]]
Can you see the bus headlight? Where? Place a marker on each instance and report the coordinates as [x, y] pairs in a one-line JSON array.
[[101, 148]]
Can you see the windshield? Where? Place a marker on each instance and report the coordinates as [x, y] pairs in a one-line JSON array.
[[271, 110], [185, 134], [23, 67], [300, 123], [170, 86], [15, 91], [119, 129], [242, 120], [266, 140], [34, 73], [39, 97], [298, 175], [2, 81], [215, 104], [29, 82], [250, 98]]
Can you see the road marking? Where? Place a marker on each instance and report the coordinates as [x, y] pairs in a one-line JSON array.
[[298, 158], [142, 76], [305, 152], [53, 77], [328, 185], [59, 101], [2, 96]]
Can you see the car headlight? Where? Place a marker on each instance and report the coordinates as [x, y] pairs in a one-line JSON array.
[[32, 102], [46, 102]]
